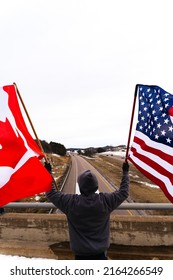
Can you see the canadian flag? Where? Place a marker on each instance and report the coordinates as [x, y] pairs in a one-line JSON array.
[[21, 172]]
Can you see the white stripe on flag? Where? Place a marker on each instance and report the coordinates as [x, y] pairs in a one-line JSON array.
[[166, 149], [153, 172], [164, 164]]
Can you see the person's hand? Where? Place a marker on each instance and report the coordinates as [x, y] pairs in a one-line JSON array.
[[125, 166], [48, 166]]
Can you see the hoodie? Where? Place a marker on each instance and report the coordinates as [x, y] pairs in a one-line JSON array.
[[88, 183], [88, 214]]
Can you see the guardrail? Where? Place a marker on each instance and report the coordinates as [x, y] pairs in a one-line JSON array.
[[129, 206]]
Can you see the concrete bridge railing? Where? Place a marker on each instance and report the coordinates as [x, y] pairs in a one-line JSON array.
[[125, 230]]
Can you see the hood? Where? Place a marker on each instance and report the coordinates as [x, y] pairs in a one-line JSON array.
[[88, 182]]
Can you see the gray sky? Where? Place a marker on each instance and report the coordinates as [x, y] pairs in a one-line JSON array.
[[76, 63]]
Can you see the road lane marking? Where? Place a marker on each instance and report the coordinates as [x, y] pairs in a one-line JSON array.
[[108, 186], [130, 212], [100, 176], [78, 190], [105, 182]]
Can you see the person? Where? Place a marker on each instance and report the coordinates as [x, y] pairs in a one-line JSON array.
[[88, 213]]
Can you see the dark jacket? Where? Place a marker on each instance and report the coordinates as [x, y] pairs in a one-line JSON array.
[[88, 214]]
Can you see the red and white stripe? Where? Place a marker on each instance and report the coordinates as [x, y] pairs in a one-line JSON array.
[[154, 160]]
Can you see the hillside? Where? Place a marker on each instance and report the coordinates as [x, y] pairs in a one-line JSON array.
[[141, 188]]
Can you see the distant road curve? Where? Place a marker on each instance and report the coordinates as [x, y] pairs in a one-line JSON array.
[[79, 164]]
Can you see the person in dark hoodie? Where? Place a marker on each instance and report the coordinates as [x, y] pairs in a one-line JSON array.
[[88, 213]]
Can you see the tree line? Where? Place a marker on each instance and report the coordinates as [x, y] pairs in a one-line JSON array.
[[53, 148]]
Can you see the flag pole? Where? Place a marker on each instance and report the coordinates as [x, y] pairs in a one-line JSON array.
[[29, 119], [131, 122]]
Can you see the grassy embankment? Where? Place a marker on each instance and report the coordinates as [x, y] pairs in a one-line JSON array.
[[111, 169]]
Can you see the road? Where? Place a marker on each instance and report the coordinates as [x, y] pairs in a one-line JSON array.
[[79, 164]]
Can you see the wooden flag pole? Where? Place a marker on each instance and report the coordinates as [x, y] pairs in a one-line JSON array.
[[131, 122], [29, 119]]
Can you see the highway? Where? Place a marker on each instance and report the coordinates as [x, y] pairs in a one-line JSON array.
[[79, 164]]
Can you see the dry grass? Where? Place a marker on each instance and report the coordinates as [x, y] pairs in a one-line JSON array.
[[60, 166], [111, 169]]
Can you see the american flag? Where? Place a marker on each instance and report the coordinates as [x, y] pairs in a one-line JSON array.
[[152, 148]]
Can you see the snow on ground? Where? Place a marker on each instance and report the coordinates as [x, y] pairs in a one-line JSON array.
[[148, 184], [11, 258], [114, 153]]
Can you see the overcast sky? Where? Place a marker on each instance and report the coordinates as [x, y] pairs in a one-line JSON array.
[[76, 63]]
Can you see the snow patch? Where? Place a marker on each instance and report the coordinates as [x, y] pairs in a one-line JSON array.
[[148, 184], [115, 153]]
